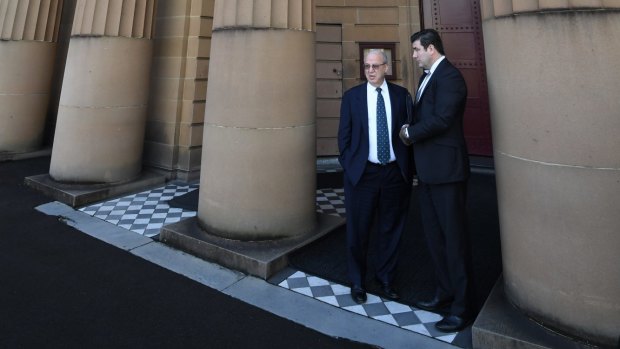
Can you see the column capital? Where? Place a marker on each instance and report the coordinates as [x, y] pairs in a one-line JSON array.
[[502, 8], [280, 14], [30, 20], [126, 18]]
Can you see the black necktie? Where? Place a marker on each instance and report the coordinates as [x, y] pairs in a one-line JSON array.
[[383, 138]]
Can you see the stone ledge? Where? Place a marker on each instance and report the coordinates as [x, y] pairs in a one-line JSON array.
[[258, 258], [76, 195], [11, 156], [501, 325]]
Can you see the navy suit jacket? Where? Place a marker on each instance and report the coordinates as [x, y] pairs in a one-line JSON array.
[[353, 140], [439, 145]]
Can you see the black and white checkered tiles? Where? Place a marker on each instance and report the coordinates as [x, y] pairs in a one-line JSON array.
[[401, 315], [143, 213], [330, 201], [146, 212]]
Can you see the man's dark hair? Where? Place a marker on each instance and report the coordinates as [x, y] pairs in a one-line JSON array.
[[427, 37]]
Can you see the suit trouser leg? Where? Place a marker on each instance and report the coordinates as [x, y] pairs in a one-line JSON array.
[[393, 205], [443, 217], [382, 189], [360, 205]]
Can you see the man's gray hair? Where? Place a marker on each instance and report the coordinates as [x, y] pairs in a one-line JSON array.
[[378, 51]]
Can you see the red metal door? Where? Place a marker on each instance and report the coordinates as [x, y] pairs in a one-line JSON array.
[[458, 22]]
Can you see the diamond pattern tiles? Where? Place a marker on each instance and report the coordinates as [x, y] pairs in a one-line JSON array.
[[143, 213], [146, 212], [403, 316], [330, 201]]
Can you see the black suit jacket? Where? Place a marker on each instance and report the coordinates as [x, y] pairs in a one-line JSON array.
[[353, 141], [437, 131]]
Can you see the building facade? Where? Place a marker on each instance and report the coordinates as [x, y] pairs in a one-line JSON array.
[[117, 87]]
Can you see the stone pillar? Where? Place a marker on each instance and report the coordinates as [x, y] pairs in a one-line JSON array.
[[28, 36], [553, 70], [258, 177], [101, 116]]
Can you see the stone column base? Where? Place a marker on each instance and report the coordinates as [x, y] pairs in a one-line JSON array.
[[501, 325], [258, 258], [12, 156], [76, 195]]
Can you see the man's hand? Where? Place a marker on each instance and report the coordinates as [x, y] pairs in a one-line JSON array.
[[403, 135]]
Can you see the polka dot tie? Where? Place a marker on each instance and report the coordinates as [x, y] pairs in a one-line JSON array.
[[383, 138]]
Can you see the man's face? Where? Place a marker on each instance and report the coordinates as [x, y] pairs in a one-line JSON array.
[[423, 56], [374, 69]]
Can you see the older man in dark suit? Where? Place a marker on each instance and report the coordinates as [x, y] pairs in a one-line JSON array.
[[377, 173], [442, 166]]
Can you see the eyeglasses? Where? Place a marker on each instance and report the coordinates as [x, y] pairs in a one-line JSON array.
[[373, 66]]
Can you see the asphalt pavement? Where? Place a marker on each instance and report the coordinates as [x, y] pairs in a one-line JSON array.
[[61, 288]]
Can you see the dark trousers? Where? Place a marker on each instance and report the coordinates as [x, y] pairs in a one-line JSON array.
[[442, 207], [382, 192]]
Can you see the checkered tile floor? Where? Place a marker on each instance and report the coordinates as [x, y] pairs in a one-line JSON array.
[[404, 316], [143, 213], [330, 201], [146, 212]]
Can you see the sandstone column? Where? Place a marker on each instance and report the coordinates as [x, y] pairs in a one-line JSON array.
[[28, 36], [258, 161], [553, 71], [101, 117]]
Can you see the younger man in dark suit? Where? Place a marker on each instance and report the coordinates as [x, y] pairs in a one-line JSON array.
[[442, 166], [377, 173]]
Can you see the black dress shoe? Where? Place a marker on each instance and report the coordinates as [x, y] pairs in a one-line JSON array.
[[358, 294], [451, 323], [389, 292], [434, 304]]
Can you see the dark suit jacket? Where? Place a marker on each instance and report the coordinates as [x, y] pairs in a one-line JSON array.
[[353, 131], [437, 131]]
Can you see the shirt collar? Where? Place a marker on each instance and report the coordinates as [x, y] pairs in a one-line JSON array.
[[434, 66], [383, 86]]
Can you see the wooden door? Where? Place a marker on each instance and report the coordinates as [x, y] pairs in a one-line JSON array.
[[328, 87], [458, 22]]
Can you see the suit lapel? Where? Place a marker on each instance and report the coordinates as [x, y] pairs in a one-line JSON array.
[[419, 84], [430, 81], [395, 106], [427, 87], [362, 103]]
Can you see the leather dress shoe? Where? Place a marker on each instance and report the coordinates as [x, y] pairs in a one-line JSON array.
[[434, 304], [389, 292], [451, 323], [358, 294]]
